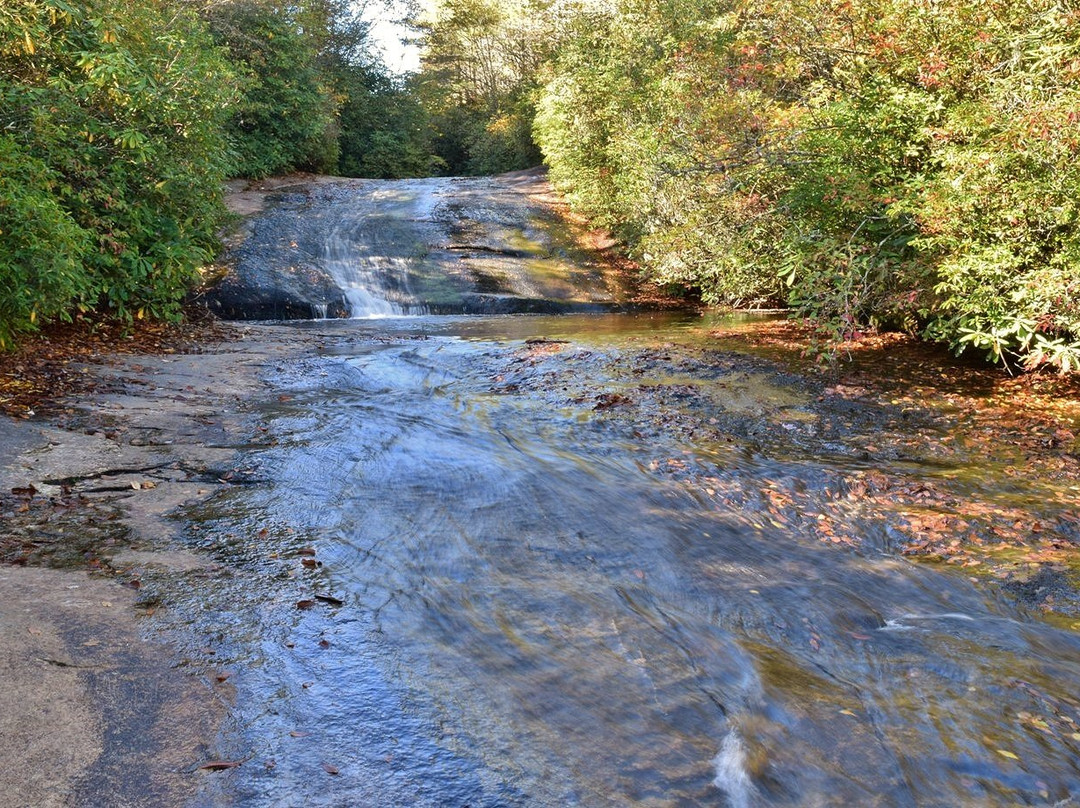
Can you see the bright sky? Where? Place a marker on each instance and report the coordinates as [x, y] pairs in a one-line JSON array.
[[398, 56]]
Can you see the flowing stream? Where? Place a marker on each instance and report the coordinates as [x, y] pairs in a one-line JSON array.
[[491, 562]]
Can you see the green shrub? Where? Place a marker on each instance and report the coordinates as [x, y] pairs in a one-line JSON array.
[[113, 114], [41, 247], [869, 162]]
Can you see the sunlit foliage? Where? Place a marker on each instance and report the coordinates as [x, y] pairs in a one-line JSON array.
[[111, 157], [483, 61], [871, 162]]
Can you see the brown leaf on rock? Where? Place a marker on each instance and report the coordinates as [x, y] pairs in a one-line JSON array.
[[605, 401], [220, 765]]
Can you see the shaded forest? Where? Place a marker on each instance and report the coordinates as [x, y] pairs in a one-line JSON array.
[[873, 164]]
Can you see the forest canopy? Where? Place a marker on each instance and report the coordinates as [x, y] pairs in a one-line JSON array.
[[903, 164]]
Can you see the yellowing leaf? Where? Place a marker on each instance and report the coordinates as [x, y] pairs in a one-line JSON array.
[[1007, 753]]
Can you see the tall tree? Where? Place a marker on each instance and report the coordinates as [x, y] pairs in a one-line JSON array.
[[286, 119], [481, 63]]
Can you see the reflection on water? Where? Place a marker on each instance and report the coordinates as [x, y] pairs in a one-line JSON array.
[[595, 328], [520, 610]]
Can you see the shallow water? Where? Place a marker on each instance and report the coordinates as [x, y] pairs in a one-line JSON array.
[[522, 604]]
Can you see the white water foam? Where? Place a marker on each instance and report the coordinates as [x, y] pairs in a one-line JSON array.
[[732, 776], [898, 624], [368, 281]]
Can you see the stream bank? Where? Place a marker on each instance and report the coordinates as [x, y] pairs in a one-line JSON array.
[[94, 710]]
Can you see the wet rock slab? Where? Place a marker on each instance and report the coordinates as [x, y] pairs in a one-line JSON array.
[[330, 248], [274, 268], [92, 712]]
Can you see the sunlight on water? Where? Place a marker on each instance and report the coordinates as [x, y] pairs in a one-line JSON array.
[[374, 285], [600, 559], [536, 611], [365, 280]]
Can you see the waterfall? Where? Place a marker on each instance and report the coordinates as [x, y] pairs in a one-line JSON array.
[[372, 284], [731, 772]]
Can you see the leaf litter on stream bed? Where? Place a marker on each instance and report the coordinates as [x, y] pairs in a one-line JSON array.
[[955, 463]]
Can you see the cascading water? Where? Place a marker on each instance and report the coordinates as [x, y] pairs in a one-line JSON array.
[[369, 281]]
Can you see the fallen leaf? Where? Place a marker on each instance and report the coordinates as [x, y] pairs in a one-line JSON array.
[[304, 604], [606, 401], [330, 599], [1008, 754], [310, 563], [298, 734], [330, 769], [220, 765]]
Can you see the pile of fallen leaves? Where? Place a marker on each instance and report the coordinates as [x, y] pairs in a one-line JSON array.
[[53, 363]]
